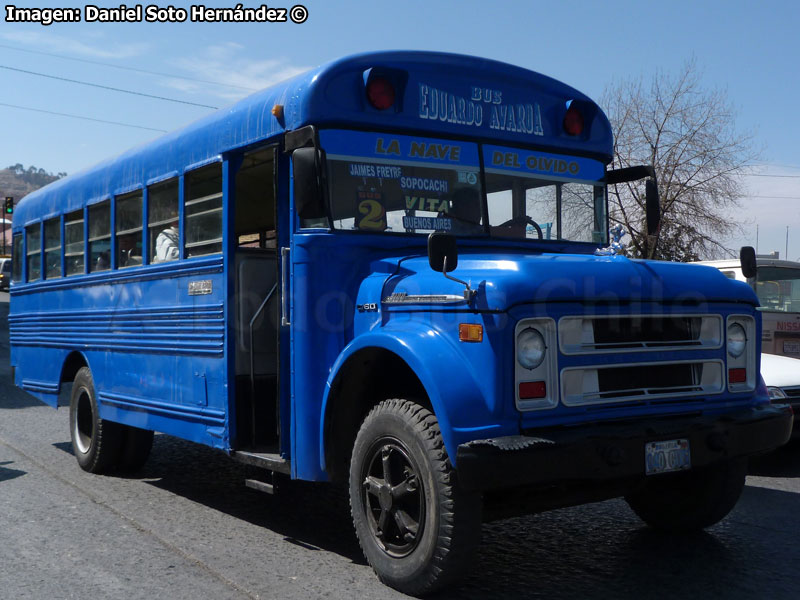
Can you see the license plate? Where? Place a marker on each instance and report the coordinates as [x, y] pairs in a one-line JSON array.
[[791, 348], [664, 457]]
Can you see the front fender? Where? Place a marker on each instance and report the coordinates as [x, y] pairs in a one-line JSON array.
[[461, 402]]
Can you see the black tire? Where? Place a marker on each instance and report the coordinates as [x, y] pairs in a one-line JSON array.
[[417, 529], [690, 501], [96, 442], [136, 446]]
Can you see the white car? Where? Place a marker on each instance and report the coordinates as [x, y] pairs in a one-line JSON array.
[[782, 376]]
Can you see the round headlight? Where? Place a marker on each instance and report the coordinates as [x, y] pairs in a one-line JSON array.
[[737, 340], [530, 348]]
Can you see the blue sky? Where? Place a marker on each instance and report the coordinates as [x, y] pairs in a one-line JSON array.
[[749, 49]]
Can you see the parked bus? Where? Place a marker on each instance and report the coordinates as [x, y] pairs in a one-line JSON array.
[[393, 272]]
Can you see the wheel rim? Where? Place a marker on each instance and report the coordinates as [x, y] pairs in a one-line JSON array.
[[83, 432], [394, 497]]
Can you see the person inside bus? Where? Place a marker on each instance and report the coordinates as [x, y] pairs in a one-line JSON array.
[[167, 244]]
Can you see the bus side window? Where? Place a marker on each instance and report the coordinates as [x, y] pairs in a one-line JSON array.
[[16, 258], [129, 229], [73, 242], [203, 211], [100, 237], [34, 236], [162, 221], [52, 248]]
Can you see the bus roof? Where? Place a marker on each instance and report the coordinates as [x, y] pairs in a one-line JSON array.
[[515, 106]]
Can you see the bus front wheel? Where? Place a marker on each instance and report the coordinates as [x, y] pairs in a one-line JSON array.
[[96, 442], [417, 529]]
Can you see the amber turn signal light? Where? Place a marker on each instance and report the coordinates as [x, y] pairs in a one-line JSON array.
[[469, 332]]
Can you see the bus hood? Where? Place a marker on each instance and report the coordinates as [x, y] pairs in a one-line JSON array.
[[505, 280]]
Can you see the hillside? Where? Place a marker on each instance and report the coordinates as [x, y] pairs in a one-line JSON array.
[[17, 181]]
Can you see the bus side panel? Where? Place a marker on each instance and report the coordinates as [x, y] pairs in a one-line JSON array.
[[43, 382], [155, 348]]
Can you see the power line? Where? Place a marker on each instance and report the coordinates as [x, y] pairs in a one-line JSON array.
[[105, 87], [785, 176], [134, 69], [777, 197], [50, 112]]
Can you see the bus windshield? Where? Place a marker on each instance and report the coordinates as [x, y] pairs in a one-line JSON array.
[[544, 196], [403, 184], [778, 288]]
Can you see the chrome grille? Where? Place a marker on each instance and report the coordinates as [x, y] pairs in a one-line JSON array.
[[607, 384], [611, 334]]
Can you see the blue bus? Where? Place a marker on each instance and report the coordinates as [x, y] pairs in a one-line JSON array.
[[393, 272]]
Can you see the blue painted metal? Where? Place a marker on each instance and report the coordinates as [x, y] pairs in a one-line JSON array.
[[164, 360]]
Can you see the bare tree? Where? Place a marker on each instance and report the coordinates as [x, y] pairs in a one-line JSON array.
[[688, 134]]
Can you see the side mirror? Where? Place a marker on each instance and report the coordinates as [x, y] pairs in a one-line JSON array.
[[440, 246], [308, 197], [747, 257], [653, 206]]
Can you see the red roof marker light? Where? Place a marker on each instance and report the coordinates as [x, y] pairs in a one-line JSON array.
[[573, 120], [380, 93]]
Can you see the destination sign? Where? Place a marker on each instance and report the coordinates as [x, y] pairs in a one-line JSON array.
[[499, 159], [397, 149]]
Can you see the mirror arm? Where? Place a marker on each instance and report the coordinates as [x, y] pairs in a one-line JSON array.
[[469, 293]]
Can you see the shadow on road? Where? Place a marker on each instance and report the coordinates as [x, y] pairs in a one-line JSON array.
[[784, 462], [310, 515], [599, 550], [6, 474]]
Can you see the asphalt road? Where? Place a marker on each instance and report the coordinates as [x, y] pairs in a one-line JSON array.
[[186, 527]]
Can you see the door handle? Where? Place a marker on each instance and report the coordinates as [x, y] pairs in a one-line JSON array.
[[284, 286]]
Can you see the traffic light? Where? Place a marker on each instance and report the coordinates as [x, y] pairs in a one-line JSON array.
[[9, 205]]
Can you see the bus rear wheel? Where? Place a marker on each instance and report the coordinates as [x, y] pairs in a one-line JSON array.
[[96, 442], [417, 529]]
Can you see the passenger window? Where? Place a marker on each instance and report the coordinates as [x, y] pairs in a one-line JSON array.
[[162, 221], [16, 258], [73, 242], [34, 236], [203, 211], [100, 237], [52, 248], [129, 229]]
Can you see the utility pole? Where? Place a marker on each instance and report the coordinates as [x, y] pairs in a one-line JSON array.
[[756, 239], [786, 253]]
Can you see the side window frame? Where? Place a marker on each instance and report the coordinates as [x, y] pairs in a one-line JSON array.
[[203, 205], [99, 228], [32, 254], [74, 246], [17, 250], [129, 229], [160, 213], [52, 268]]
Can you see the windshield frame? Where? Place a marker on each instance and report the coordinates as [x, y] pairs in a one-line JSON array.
[[763, 298], [480, 148]]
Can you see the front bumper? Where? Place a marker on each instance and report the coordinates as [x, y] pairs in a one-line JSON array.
[[604, 452]]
